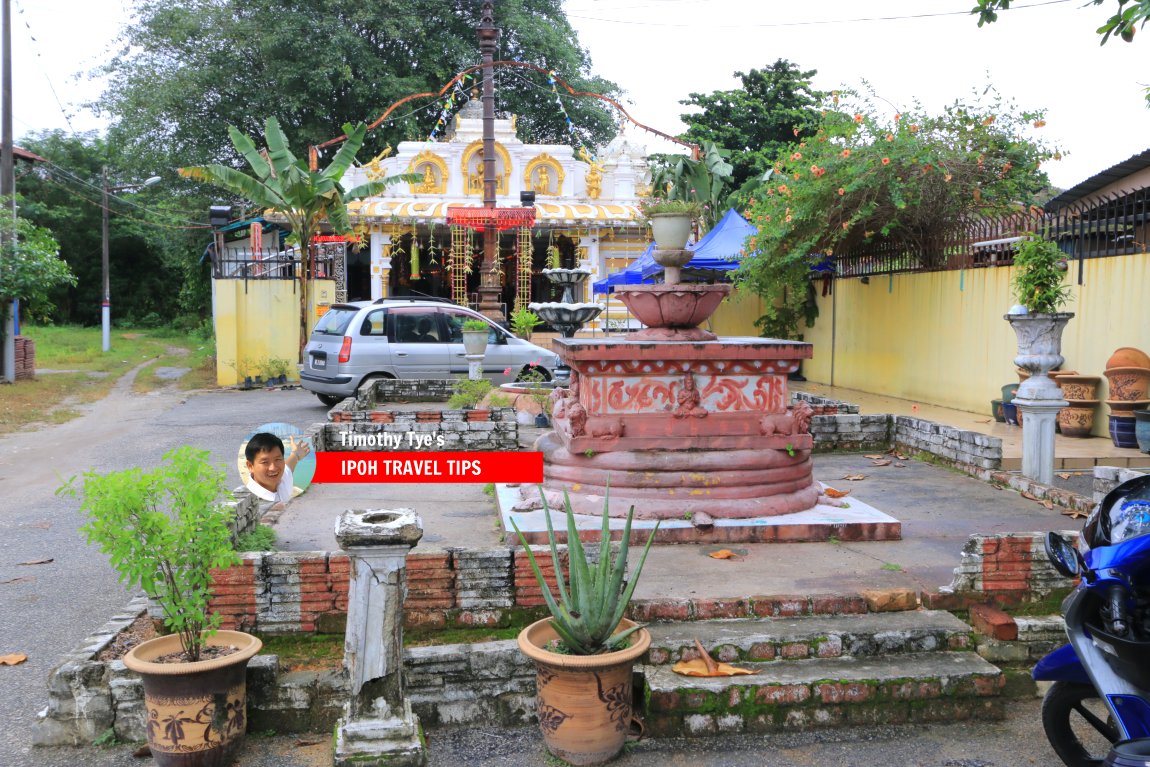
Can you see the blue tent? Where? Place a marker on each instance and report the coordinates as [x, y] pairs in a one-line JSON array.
[[718, 250], [632, 275]]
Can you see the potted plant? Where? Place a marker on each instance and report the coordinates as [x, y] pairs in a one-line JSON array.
[[164, 531], [585, 651], [670, 221], [475, 333], [1040, 269], [523, 322]]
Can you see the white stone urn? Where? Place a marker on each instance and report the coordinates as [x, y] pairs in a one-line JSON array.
[[1039, 352], [475, 342], [670, 230]]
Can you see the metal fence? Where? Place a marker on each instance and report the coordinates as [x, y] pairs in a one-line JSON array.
[[1114, 225], [246, 264]]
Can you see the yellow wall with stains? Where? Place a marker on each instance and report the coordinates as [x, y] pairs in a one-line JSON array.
[[257, 321]]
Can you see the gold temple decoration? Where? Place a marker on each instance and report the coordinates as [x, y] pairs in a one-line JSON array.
[[432, 172], [472, 166], [374, 167], [544, 176]]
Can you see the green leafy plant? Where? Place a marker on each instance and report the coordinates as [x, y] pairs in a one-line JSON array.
[[475, 325], [534, 379], [790, 450], [592, 598], [524, 321], [657, 206], [468, 392], [498, 399], [106, 739], [164, 530], [261, 538], [31, 266], [1039, 273]]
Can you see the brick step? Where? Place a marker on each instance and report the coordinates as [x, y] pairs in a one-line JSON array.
[[824, 692], [810, 636]]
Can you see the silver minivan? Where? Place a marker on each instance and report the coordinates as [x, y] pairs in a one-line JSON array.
[[409, 338]]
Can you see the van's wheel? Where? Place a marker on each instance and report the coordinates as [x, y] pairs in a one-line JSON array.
[[331, 400], [1078, 724]]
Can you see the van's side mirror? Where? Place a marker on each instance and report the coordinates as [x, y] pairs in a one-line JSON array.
[[1062, 554]]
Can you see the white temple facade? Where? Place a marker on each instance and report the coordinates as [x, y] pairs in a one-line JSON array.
[[585, 207]]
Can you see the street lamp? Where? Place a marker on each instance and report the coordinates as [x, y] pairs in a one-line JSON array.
[[106, 303]]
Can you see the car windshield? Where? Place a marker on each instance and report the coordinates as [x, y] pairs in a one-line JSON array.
[[335, 321]]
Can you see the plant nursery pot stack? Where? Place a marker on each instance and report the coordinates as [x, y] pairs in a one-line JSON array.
[[1128, 375], [1077, 420], [583, 701], [1142, 429], [196, 711]]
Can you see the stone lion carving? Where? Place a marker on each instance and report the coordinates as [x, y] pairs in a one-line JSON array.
[[803, 414]]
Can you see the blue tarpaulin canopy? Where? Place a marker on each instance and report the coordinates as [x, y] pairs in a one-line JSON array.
[[632, 275], [718, 250]]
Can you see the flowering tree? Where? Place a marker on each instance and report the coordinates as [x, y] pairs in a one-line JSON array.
[[909, 179], [30, 265]]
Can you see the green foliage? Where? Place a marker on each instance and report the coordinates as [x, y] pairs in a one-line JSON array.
[[656, 206], [261, 538], [524, 321], [498, 399], [186, 70], [468, 392], [164, 530], [106, 739], [533, 377], [681, 182], [1039, 273], [758, 121], [30, 264], [592, 599], [475, 325], [907, 180], [489, 489]]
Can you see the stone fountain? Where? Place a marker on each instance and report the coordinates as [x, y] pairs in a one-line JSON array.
[[680, 423], [567, 316]]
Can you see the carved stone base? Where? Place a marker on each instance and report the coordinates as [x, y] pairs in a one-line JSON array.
[[393, 741]]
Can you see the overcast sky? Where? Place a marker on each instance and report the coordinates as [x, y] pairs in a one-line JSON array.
[[1043, 56]]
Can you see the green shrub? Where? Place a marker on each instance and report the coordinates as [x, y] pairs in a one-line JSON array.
[[468, 392], [1039, 273], [262, 538]]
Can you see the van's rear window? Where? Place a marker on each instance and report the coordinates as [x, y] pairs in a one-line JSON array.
[[335, 321]]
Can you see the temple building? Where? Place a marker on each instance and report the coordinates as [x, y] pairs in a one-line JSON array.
[[585, 205]]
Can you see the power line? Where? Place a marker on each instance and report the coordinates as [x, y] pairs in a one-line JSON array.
[[99, 204], [36, 51], [700, 23]]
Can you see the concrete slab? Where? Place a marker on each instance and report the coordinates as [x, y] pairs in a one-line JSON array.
[[858, 521]]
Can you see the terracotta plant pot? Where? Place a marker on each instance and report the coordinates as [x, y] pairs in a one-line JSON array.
[[583, 701], [197, 712], [1075, 387], [1122, 431], [1128, 383], [1078, 419], [1125, 409], [1128, 357]]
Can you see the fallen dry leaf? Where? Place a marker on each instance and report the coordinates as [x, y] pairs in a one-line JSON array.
[[830, 492], [1030, 497], [1048, 504], [900, 465], [12, 659], [873, 456], [723, 554], [41, 525], [984, 420], [36, 562], [705, 665], [1073, 513], [883, 462], [1063, 476], [854, 477], [17, 580]]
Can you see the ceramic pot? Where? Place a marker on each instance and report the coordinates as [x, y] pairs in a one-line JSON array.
[[1039, 351], [996, 410], [1128, 357], [541, 421], [1077, 420], [475, 342], [670, 230], [1076, 387], [1128, 383], [1009, 391], [1125, 408], [1122, 431], [1010, 413], [197, 712], [1142, 429], [583, 701]]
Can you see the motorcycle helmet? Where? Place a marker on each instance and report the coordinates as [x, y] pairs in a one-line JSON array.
[[1123, 514]]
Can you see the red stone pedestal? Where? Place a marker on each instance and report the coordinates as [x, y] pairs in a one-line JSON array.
[[682, 429]]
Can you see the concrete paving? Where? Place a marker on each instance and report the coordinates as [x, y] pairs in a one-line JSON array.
[[45, 609]]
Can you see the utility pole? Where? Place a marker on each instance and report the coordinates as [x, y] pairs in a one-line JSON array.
[[489, 287], [8, 188], [106, 300]]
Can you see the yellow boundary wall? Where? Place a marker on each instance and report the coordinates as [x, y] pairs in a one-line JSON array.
[[940, 337], [257, 321]]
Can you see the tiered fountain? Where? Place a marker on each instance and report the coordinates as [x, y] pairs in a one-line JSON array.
[[680, 423], [566, 315]]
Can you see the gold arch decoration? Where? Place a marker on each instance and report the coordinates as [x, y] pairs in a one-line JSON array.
[[472, 166], [544, 176], [432, 172]]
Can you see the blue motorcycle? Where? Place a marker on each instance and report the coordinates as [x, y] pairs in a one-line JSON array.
[[1101, 681]]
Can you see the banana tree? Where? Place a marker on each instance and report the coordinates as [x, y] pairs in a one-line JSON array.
[[705, 181], [286, 184]]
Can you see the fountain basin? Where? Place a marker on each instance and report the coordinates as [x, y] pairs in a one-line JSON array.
[[672, 312], [567, 318]]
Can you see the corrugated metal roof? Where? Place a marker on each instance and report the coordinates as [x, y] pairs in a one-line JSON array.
[[24, 154], [1101, 180]]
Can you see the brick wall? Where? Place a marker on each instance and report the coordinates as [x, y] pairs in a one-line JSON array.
[[25, 358], [1008, 568], [460, 430]]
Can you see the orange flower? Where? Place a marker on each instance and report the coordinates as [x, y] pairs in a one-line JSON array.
[[886, 161], [797, 156], [988, 120], [796, 176], [846, 153], [927, 168], [846, 224], [914, 129], [897, 117], [842, 191], [890, 137], [782, 188], [947, 177], [802, 145], [1006, 168], [1039, 123], [788, 219], [767, 218], [858, 118], [835, 97]]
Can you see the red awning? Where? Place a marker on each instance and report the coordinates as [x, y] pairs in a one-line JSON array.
[[498, 218]]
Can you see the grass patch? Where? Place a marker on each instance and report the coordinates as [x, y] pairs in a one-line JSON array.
[[54, 398], [306, 652], [439, 636], [262, 538]]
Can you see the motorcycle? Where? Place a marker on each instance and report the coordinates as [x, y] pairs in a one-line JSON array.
[[1098, 706]]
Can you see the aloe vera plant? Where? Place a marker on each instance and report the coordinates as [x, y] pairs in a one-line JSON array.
[[592, 601]]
